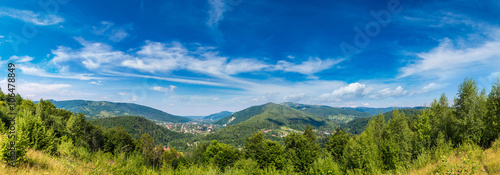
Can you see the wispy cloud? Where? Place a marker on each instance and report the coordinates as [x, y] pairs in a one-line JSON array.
[[18, 59], [180, 80], [93, 54], [216, 12], [31, 17], [113, 32], [309, 67], [35, 71], [167, 90], [448, 59], [357, 91]]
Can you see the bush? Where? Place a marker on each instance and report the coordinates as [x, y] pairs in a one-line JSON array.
[[325, 165]]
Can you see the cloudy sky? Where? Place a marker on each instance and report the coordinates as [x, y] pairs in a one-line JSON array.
[[201, 57]]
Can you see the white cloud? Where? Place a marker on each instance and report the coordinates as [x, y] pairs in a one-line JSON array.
[[98, 82], [387, 92], [216, 12], [92, 55], [20, 59], [56, 91], [448, 59], [349, 92], [356, 91], [427, 88], [31, 17], [108, 29], [295, 97], [35, 71], [312, 66], [167, 90], [244, 65]]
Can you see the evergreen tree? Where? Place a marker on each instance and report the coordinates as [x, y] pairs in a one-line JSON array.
[[302, 150], [492, 117], [468, 125], [337, 143], [147, 146]]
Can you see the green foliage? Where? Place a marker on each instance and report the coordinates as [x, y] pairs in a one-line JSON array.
[[468, 113], [492, 118], [147, 148], [337, 143], [38, 136], [221, 154], [137, 126], [301, 150], [265, 152], [327, 165], [396, 145], [117, 140]]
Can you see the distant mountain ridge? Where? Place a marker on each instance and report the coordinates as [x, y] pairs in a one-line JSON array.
[[101, 109], [217, 116], [340, 114], [376, 111]]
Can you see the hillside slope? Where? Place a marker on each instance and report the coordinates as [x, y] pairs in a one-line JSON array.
[[136, 126], [217, 116], [243, 124], [358, 125], [101, 109], [340, 114]]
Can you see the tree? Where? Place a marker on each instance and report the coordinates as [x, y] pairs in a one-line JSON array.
[[265, 152], [442, 119], [302, 150], [337, 143], [397, 147], [221, 154], [424, 131], [117, 140], [468, 125], [492, 118], [147, 146]]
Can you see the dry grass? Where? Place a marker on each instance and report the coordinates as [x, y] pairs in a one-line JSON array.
[[491, 161], [485, 162], [41, 163]]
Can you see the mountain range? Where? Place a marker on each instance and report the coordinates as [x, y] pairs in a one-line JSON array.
[[102, 109], [217, 116]]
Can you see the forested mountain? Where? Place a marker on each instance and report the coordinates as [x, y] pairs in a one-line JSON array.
[[101, 109], [217, 116], [137, 126], [244, 123], [375, 111], [340, 114], [358, 125]]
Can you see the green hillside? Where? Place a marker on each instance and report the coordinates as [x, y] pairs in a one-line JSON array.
[[244, 123], [358, 125], [375, 111], [101, 109], [137, 126], [217, 116], [340, 114]]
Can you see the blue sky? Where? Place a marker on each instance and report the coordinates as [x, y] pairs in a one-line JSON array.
[[201, 57]]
